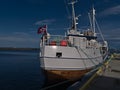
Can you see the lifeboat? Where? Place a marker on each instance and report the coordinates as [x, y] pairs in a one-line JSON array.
[[53, 43], [63, 43]]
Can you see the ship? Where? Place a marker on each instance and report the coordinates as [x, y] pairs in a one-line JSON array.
[[71, 56]]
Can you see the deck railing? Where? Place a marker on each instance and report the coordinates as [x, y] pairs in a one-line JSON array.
[[55, 40]]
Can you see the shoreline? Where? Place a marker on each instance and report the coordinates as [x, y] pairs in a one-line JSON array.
[[21, 49]]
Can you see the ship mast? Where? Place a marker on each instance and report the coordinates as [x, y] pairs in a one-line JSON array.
[[74, 27], [93, 20]]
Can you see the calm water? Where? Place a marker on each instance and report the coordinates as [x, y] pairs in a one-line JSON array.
[[20, 70]]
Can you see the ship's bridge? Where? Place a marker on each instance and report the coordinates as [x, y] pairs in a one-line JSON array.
[[88, 37]]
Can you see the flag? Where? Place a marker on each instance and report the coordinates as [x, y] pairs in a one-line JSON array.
[[42, 30]]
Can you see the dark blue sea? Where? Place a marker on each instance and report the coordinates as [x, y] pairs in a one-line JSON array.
[[20, 70]]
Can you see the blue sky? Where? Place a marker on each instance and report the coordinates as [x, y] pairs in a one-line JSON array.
[[20, 19]]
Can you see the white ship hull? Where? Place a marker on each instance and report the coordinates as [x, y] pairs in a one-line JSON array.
[[71, 65], [70, 59]]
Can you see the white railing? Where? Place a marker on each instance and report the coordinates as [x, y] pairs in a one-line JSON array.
[[54, 40]]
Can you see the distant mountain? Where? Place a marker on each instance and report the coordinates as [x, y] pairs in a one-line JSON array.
[[11, 48]]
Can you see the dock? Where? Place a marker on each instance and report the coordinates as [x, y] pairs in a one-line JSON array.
[[107, 79]]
